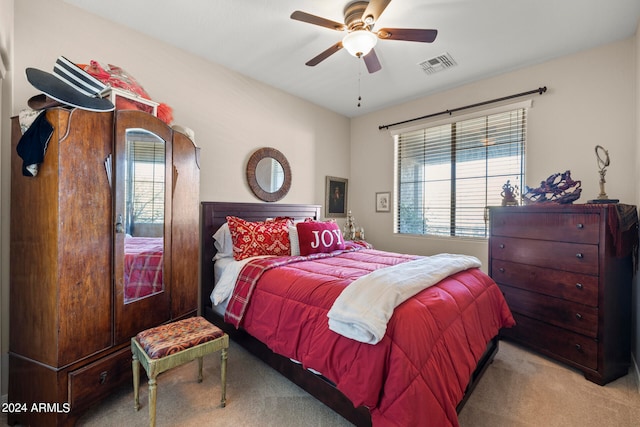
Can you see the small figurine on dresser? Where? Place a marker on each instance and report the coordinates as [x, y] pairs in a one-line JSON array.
[[558, 188], [509, 194]]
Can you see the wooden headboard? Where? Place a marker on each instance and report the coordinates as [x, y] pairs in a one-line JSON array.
[[214, 214]]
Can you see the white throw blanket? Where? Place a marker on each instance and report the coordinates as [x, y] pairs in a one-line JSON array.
[[362, 310]]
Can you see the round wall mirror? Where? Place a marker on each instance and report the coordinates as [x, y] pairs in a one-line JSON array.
[[269, 174]]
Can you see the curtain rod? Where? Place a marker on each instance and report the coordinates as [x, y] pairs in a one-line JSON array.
[[540, 91]]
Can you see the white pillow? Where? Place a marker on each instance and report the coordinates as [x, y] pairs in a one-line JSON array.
[[228, 278], [223, 242], [293, 239]]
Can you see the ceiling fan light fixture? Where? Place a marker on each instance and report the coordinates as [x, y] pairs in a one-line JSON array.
[[359, 42]]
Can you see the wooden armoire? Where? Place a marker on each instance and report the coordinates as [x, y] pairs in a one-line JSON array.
[[107, 179]]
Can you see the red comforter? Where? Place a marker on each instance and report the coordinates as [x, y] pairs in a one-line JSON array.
[[418, 373]]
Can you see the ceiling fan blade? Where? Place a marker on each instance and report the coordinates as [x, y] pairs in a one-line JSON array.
[[374, 10], [324, 55], [409, 34], [316, 20], [372, 62]]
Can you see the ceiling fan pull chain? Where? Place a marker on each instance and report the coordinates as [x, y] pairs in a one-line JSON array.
[[359, 76]]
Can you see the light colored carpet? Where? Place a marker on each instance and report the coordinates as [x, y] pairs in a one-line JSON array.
[[520, 388]]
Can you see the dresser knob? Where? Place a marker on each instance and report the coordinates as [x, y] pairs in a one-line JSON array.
[[501, 245], [580, 225], [578, 316], [579, 255], [501, 269], [579, 348], [579, 286]]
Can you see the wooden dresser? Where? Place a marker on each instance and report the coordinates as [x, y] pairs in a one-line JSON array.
[[566, 272]]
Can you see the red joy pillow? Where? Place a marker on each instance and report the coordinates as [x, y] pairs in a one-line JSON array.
[[258, 238], [316, 236]]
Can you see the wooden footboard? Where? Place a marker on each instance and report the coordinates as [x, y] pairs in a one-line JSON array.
[[213, 215]]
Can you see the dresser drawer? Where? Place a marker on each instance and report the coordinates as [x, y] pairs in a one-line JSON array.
[[91, 383], [554, 341], [580, 288], [566, 314], [575, 257], [574, 227]]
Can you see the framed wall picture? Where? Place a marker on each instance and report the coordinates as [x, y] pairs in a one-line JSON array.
[[383, 201], [335, 205]]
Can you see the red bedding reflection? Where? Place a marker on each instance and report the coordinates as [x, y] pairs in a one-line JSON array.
[[142, 266]]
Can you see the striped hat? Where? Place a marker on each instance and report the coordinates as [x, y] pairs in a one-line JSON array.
[[71, 85]]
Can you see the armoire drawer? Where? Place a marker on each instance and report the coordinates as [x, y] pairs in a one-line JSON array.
[[91, 383], [566, 314], [576, 227], [554, 341], [576, 287], [575, 257]]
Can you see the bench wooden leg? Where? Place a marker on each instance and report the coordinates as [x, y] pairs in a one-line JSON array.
[[135, 364], [199, 369], [223, 376], [152, 401]]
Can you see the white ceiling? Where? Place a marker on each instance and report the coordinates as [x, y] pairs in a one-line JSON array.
[[258, 39]]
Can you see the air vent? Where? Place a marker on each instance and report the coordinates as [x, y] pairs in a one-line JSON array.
[[438, 63]]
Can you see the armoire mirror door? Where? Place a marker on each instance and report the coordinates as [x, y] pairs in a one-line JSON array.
[[142, 219]]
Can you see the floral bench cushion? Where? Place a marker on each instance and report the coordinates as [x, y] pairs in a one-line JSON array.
[[174, 337]]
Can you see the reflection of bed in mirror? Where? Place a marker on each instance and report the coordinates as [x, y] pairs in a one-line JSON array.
[[144, 183], [143, 257]]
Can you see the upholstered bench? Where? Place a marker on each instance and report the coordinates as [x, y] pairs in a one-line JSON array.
[[167, 346]]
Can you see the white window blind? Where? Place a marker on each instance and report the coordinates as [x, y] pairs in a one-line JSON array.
[[146, 179], [447, 174]]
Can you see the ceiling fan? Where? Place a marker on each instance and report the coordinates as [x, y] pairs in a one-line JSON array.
[[359, 19]]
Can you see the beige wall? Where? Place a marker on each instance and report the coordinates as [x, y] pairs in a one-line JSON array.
[[592, 99], [588, 102], [230, 114], [6, 73], [636, 178]]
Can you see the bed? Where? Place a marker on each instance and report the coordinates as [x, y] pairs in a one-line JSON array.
[[143, 260], [435, 390]]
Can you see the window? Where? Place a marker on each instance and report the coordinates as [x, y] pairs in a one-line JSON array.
[[145, 178], [447, 174]]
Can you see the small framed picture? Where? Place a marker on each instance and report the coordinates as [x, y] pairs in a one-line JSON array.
[[335, 197], [383, 201]]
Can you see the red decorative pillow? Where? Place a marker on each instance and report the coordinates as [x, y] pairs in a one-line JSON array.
[[317, 236], [259, 238]]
